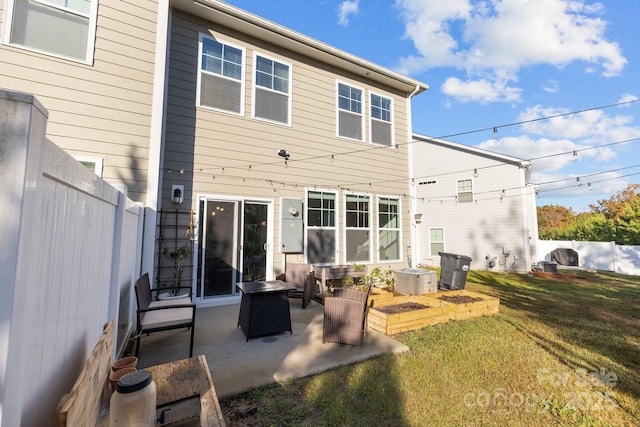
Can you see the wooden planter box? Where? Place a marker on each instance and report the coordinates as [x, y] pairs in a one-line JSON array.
[[460, 311], [378, 295], [390, 324]]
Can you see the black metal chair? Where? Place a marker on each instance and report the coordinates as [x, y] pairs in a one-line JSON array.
[[155, 316]]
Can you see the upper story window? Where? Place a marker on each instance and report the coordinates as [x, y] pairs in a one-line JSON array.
[[350, 110], [381, 120], [272, 100], [358, 227], [64, 28], [464, 191], [220, 76], [389, 229]]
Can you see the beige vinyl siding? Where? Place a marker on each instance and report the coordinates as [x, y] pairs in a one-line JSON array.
[[205, 141], [101, 110]]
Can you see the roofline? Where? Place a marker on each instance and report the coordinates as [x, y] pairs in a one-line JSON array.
[[473, 150], [235, 18]]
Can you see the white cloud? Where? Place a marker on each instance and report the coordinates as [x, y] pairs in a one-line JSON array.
[[627, 98], [346, 9], [482, 90], [488, 38], [589, 128]]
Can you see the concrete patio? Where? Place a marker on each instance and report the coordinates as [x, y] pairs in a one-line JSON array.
[[237, 365]]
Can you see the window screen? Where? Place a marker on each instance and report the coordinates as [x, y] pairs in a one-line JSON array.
[[221, 68], [61, 27], [349, 111]]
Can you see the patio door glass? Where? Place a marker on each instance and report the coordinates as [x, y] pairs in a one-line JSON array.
[[233, 245], [254, 242]]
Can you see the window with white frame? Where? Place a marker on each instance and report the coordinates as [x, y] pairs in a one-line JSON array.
[[389, 244], [350, 111], [381, 120], [64, 28], [358, 227], [272, 98], [464, 191], [220, 76], [436, 241], [321, 227], [94, 164]]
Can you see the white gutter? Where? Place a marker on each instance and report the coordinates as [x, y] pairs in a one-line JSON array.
[[156, 140], [415, 237]]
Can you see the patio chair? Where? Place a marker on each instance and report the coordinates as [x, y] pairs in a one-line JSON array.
[[155, 316], [345, 314], [300, 276]]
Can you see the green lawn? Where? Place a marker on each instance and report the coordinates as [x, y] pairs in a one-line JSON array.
[[564, 350]]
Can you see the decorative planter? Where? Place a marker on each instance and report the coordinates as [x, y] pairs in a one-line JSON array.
[[393, 323], [378, 295], [469, 304]]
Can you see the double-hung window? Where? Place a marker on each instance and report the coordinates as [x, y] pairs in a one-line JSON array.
[[358, 227], [350, 111], [321, 227], [220, 76], [272, 97], [389, 229], [436, 241], [64, 28], [381, 120], [464, 191]]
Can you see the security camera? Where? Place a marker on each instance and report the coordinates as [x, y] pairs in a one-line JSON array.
[[283, 153]]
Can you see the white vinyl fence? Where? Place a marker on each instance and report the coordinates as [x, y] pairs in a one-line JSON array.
[[597, 255], [69, 255]]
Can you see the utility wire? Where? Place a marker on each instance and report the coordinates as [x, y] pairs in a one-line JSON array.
[[382, 147]]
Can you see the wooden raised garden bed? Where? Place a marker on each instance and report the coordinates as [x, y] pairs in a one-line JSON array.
[[392, 315], [463, 304]]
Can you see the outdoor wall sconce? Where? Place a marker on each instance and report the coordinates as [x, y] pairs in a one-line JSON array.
[[283, 153], [177, 194]]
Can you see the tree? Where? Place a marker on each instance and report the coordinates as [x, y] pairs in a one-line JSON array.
[[553, 217], [614, 207]]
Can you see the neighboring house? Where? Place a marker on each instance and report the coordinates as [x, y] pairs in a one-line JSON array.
[[472, 202]]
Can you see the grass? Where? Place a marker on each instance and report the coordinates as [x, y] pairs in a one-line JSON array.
[[564, 350]]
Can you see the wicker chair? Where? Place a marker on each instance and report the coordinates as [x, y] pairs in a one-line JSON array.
[[345, 314], [300, 276]]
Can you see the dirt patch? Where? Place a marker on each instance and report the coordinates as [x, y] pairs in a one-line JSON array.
[[459, 299], [401, 308], [563, 276]]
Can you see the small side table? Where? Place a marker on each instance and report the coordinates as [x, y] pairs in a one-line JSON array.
[[264, 308]]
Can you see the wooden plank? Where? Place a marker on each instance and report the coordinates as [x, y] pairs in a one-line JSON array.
[[394, 323], [185, 393], [83, 405]]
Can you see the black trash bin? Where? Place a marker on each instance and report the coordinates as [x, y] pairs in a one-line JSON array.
[[453, 270]]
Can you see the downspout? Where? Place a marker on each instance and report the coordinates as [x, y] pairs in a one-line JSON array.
[[412, 188], [156, 141], [526, 215]]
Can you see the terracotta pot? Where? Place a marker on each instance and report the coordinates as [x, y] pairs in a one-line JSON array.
[[116, 375], [125, 362]]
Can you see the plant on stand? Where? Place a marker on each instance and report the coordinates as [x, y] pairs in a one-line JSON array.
[[178, 267]]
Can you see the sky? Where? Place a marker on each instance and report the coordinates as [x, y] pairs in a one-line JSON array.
[[556, 82]]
